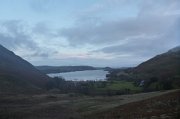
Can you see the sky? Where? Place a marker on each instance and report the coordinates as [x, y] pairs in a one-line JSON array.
[[115, 33]]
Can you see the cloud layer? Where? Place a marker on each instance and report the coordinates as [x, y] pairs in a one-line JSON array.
[[104, 33]]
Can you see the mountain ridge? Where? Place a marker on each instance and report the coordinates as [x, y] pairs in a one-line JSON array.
[[164, 65], [14, 69], [175, 49]]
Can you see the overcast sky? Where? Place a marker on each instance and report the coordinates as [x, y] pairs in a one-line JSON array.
[[116, 33]]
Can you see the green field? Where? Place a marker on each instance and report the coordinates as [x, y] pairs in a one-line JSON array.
[[120, 86]]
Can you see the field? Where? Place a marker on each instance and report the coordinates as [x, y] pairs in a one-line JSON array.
[[75, 106], [121, 85]]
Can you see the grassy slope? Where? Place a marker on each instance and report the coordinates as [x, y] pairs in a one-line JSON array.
[[166, 106], [162, 66], [120, 86], [11, 84], [68, 106], [13, 67]]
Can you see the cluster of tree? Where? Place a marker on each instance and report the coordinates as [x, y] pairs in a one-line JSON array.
[[63, 86], [148, 81], [156, 84], [83, 87]]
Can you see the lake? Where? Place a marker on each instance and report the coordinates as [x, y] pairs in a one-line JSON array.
[[82, 75]]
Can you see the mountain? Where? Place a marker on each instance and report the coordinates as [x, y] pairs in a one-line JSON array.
[[163, 66], [18, 74], [161, 72], [166, 65], [176, 49], [59, 69]]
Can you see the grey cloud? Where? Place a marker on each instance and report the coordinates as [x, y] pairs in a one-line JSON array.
[[139, 47], [155, 17], [38, 54], [14, 35], [148, 46], [160, 7], [153, 31], [111, 32], [43, 6], [42, 28]]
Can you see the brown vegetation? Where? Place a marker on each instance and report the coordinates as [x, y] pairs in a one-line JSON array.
[[161, 107], [74, 106]]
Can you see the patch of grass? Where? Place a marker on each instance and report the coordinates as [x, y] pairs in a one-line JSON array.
[[121, 85], [118, 85]]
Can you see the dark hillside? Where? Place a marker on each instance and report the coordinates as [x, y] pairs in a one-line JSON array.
[[16, 72], [166, 106], [166, 65]]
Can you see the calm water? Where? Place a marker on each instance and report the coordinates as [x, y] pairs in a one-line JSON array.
[[82, 75]]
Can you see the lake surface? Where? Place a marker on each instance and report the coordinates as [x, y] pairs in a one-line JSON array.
[[82, 75]]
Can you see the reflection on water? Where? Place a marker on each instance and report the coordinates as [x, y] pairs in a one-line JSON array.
[[82, 75]]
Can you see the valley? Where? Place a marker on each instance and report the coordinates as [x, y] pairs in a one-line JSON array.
[[138, 92], [89, 59]]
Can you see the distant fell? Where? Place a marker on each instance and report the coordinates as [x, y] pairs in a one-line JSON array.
[[59, 69]]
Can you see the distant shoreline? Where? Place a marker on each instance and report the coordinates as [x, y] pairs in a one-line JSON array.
[[64, 69]]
